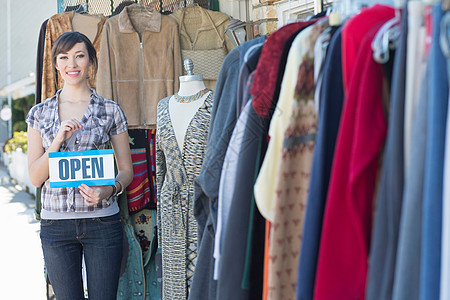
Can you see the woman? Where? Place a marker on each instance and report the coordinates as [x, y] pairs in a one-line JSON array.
[[80, 220]]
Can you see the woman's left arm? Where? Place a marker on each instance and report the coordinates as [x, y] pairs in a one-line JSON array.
[[121, 146]]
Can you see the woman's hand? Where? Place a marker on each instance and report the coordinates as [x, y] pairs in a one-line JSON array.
[[95, 194], [68, 127]]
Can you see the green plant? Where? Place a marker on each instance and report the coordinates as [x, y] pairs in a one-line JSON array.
[[20, 108], [19, 140], [20, 126], [23, 105]]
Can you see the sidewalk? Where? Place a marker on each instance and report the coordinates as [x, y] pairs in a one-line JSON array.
[[21, 260]]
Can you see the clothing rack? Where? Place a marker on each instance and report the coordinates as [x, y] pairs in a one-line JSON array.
[[113, 7]]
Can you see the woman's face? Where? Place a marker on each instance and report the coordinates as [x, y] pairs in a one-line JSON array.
[[73, 65]]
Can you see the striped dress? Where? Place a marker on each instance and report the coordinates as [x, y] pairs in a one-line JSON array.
[[176, 170]]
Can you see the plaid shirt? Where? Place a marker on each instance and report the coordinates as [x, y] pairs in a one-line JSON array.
[[102, 119]]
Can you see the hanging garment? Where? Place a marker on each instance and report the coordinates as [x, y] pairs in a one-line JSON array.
[[223, 120], [176, 170], [244, 234], [233, 280], [151, 136], [141, 192], [430, 268], [351, 47], [143, 225], [292, 179], [138, 274], [445, 265], [345, 242], [40, 62], [253, 277], [227, 184], [320, 52], [332, 98], [270, 70], [383, 251], [138, 191], [266, 262], [227, 178], [57, 25], [130, 72], [248, 66], [407, 267], [415, 66], [269, 87], [203, 39], [37, 99]]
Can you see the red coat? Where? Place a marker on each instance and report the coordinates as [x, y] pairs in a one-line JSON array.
[[345, 241]]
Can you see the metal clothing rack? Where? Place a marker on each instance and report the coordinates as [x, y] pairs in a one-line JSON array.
[[112, 7]]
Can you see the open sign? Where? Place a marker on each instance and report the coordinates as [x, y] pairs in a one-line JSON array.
[[72, 168]]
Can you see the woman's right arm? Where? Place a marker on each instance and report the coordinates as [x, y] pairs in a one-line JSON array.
[[38, 157]]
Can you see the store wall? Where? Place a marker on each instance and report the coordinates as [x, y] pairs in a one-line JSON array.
[[26, 19], [269, 15], [238, 9]]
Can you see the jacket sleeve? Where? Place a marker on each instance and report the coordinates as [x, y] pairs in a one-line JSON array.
[[40, 62], [177, 62], [48, 71], [105, 66]]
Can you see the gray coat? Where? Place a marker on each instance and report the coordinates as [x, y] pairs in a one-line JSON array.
[[383, 250], [223, 120], [207, 183]]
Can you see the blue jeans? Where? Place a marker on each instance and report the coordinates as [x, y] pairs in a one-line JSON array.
[[101, 241]]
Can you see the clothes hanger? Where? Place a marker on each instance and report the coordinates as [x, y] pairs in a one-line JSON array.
[[121, 6], [446, 5], [386, 39], [82, 9], [144, 8], [334, 13], [341, 10], [192, 5], [432, 2], [445, 27]]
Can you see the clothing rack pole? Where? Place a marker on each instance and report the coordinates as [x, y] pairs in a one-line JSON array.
[[318, 6]]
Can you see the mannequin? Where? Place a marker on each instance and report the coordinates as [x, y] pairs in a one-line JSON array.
[[181, 138], [182, 113]]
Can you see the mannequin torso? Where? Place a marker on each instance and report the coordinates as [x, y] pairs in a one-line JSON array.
[[182, 113]]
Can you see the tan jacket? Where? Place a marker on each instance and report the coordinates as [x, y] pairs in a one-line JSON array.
[[57, 25], [203, 29], [139, 63]]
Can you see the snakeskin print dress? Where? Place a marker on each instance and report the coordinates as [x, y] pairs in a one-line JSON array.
[[176, 170]]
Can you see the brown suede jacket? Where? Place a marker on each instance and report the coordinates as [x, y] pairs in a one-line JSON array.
[[139, 62]]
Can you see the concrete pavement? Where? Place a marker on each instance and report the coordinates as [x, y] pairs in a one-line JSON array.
[[21, 259]]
